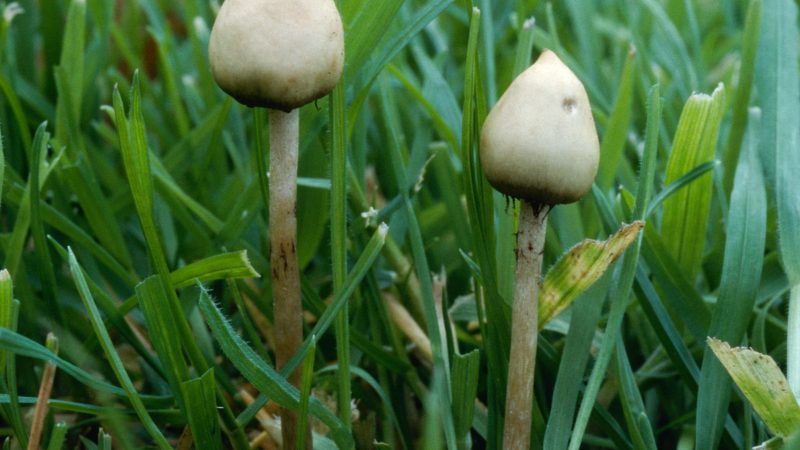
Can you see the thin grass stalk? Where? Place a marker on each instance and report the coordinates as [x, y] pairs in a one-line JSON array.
[[339, 245]]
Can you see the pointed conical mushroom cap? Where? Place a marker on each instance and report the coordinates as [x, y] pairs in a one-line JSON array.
[[539, 142], [277, 53]]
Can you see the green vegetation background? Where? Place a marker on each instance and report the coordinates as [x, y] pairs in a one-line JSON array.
[[128, 201]]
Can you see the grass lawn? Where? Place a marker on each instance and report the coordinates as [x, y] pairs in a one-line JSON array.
[[137, 278]]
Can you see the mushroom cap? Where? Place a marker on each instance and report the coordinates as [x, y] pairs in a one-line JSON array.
[[279, 54], [539, 143]]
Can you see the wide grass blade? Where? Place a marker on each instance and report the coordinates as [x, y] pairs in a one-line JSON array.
[[199, 394], [762, 382], [741, 274], [164, 333], [776, 80], [686, 212]]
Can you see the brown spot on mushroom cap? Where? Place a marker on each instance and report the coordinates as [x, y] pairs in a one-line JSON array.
[[278, 54], [539, 142]]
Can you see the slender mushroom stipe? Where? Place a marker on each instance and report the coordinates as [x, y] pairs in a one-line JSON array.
[[280, 54], [539, 145]]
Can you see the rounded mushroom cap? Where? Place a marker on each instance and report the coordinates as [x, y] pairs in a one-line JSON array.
[[278, 54], [539, 142]]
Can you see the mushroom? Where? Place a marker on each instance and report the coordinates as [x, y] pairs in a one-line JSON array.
[[539, 145], [280, 54]]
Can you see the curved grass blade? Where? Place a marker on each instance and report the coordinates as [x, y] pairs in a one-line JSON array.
[[357, 273], [112, 355], [762, 382], [21, 345], [265, 378], [578, 268], [680, 183]]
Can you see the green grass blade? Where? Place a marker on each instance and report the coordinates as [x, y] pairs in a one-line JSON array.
[[741, 274], [72, 53], [6, 309], [54, 218], [305, 396], [741, 99], [632, 405], [264, 377], [686, 212], [133, 144], [338, 225], [9, 312], [45, 263], [777, 85], [383, 54], [222, 266], [112, 355], [225, 266], [367, 23], [201, 410], [437, 340], [481, 217], [569, 379], [19, 114], [616, 131], [357, 273], [164, 333], [522, 57], [2, 170], [679, 184], [465, 389], [57, 436], [621, 289], [682, 296]]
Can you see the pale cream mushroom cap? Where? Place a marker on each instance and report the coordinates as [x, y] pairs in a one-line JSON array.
[[278, 54], [539, 143]]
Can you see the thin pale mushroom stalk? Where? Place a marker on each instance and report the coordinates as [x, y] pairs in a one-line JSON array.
[[539, 145], [281, 55]]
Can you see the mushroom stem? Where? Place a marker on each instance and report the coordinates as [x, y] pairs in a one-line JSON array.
[[524, 325], [284, 134]]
